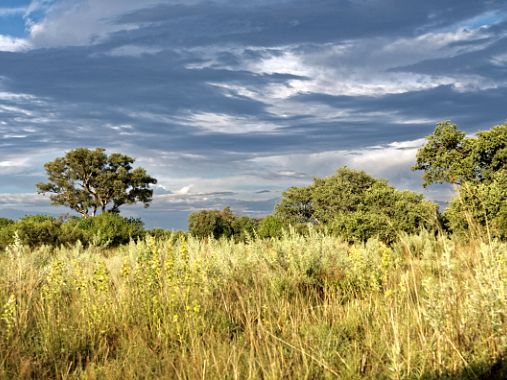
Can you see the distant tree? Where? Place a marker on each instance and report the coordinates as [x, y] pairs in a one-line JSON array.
[[6, 232], [35, 230], [211, 223], [88, 181], [356, 206], [477, 167], [220, 223]]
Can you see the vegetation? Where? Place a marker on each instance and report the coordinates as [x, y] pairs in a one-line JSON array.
[[217, 224], [88, 181], [296, 307], [356, 206], [105, 230], [477, 167]]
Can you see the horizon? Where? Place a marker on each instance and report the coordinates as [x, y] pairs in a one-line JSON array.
[[230, 104]]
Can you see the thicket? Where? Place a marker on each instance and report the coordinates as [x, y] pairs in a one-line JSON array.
[[217, 224], [355, 206], [105, 230]]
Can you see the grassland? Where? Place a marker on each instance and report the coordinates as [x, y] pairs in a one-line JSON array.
[[309, 307]]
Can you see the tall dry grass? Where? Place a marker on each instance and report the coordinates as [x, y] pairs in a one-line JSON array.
[[308, 307]]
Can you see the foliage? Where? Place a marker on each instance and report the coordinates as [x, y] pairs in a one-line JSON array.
[[5, 222], [6, 232], [357, 206], [478, 167], [107, 229], [217, 224], [104, 230], [270, 227], [445, 157], [295, 206], [480, 205], [89, 180], [298, 307], [35, 230]]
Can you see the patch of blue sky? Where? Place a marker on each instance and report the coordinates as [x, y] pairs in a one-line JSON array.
[[12, 25], [12, 21], [485, 19], [15, 3]]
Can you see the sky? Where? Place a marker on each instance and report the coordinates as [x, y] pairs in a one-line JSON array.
[[229, 103]]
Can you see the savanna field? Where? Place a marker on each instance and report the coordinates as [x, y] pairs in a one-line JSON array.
[[300, 307]]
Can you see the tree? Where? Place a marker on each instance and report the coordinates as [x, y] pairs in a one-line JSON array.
[[211, 223], [356, 206], [270, 227], [89, 180], [477, 167], [217, 224], [296, 206], [445, 156]]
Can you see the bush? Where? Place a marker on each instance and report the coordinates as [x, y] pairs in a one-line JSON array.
[[6, 232], [356, 206], [35, 230], [217, 224], [270, 227], [106, 229]]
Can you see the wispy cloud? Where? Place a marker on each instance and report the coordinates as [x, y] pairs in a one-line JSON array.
[[11, 11]]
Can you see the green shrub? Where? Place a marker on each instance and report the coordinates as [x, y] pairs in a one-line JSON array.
[[35, 230], [270, 226], [163, 234], [106, 229], [6, 232], [356, 206], [217, 224]]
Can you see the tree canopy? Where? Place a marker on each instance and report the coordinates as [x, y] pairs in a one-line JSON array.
[[477, 166], [220, 223], [356, 206], [88, 181]]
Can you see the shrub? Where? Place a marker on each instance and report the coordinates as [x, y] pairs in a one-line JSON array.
[[106, 229], [6, 232], [270, 227], [356, 206], [217, 224], [35, 230]]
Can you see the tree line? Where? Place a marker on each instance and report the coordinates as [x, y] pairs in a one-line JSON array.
[[350, 203]]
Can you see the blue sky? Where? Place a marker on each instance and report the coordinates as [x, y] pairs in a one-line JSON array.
[[228, 103]]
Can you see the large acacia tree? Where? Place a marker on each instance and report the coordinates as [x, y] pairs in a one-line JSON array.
[[89, 181]]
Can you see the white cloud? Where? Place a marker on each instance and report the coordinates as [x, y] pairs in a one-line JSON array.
[[184, 190], [133, 51], [499, 60], [222, 123], [75, 23], [392, 161], [22, 199], [13, 44], [14, 163], [12, 11]]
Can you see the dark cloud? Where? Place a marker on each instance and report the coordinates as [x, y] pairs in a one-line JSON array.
[[233, 102], [273, 23]]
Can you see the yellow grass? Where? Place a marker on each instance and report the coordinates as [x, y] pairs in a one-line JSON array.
[[297, 308]]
